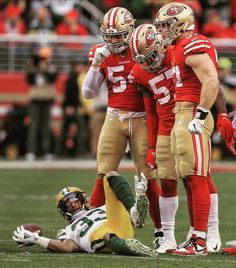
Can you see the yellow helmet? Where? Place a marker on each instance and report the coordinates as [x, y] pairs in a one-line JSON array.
[[117, 22], [71, 194], [146, 47], [172, 20]]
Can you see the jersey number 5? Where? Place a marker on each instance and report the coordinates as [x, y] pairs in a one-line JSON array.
[[121, 79], [161, 90]]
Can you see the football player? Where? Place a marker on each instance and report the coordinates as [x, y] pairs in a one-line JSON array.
[[153, 75], [196, 83], [125, 121], [92, 230]]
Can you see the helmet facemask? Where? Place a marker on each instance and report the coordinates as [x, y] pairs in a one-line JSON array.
[[117, 47], [72, 194], [151, 62], [165, 28]]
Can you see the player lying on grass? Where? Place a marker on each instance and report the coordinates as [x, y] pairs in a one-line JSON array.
[[93, 230]]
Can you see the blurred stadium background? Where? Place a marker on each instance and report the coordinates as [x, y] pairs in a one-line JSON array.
[[70, 28]]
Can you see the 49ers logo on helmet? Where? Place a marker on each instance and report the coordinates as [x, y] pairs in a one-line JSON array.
[[150, 37], [174, 10], [127, 17]]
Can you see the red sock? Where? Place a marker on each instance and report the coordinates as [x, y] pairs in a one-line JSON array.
[[153, 193], [211, 185], [201, 201], [97, 197], [189, 202], [169, 188]]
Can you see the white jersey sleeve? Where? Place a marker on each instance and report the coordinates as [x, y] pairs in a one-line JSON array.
[[80, 230], [92, 82]]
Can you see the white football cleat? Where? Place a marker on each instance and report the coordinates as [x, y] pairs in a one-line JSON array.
[[158, 239], [188, 237], [138, 212], [166, 246], [196, 246], [213, 244], [137, 248], [140, 184]]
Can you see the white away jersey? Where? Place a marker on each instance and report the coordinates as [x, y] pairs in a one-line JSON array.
[[80, 229]]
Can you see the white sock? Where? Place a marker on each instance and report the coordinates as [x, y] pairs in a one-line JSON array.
[[190, 232], [213, 219], [200, 234], [168, 208]]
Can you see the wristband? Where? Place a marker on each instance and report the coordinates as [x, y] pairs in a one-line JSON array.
[[42, 241], [223, 114], [95, 68], [201, 113]]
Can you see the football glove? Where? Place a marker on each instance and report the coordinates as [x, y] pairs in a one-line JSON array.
[[151, 158], [24, 237], [100, 54], [231, 144], [140, 184], [224, 127], [197, 124]]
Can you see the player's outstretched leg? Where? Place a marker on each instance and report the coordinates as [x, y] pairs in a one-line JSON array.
[[136, 206], [129, 247]]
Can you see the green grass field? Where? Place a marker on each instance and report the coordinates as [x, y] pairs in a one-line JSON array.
[[28, 196]]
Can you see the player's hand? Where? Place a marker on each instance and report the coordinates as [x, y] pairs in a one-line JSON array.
[[231, 143], [100, 54], [140, 184], [224, 127], [151, 158], [24, 237], [197, 124]]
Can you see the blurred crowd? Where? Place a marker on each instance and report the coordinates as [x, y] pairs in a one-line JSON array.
[[40, 17], [215, 18], [81, 120]]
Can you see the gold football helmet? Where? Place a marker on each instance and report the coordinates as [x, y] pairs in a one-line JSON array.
[[116, 28], [146, 46], [71, 194], [172, 20]]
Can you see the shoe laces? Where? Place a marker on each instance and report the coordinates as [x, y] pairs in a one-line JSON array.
[[196, 241]]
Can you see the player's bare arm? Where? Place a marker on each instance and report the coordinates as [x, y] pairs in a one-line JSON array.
[[65, 246], [220, 103], [206, 72]]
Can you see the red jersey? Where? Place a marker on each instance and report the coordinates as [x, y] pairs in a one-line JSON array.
[[187, 85], [122, 92], [161, 85]]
